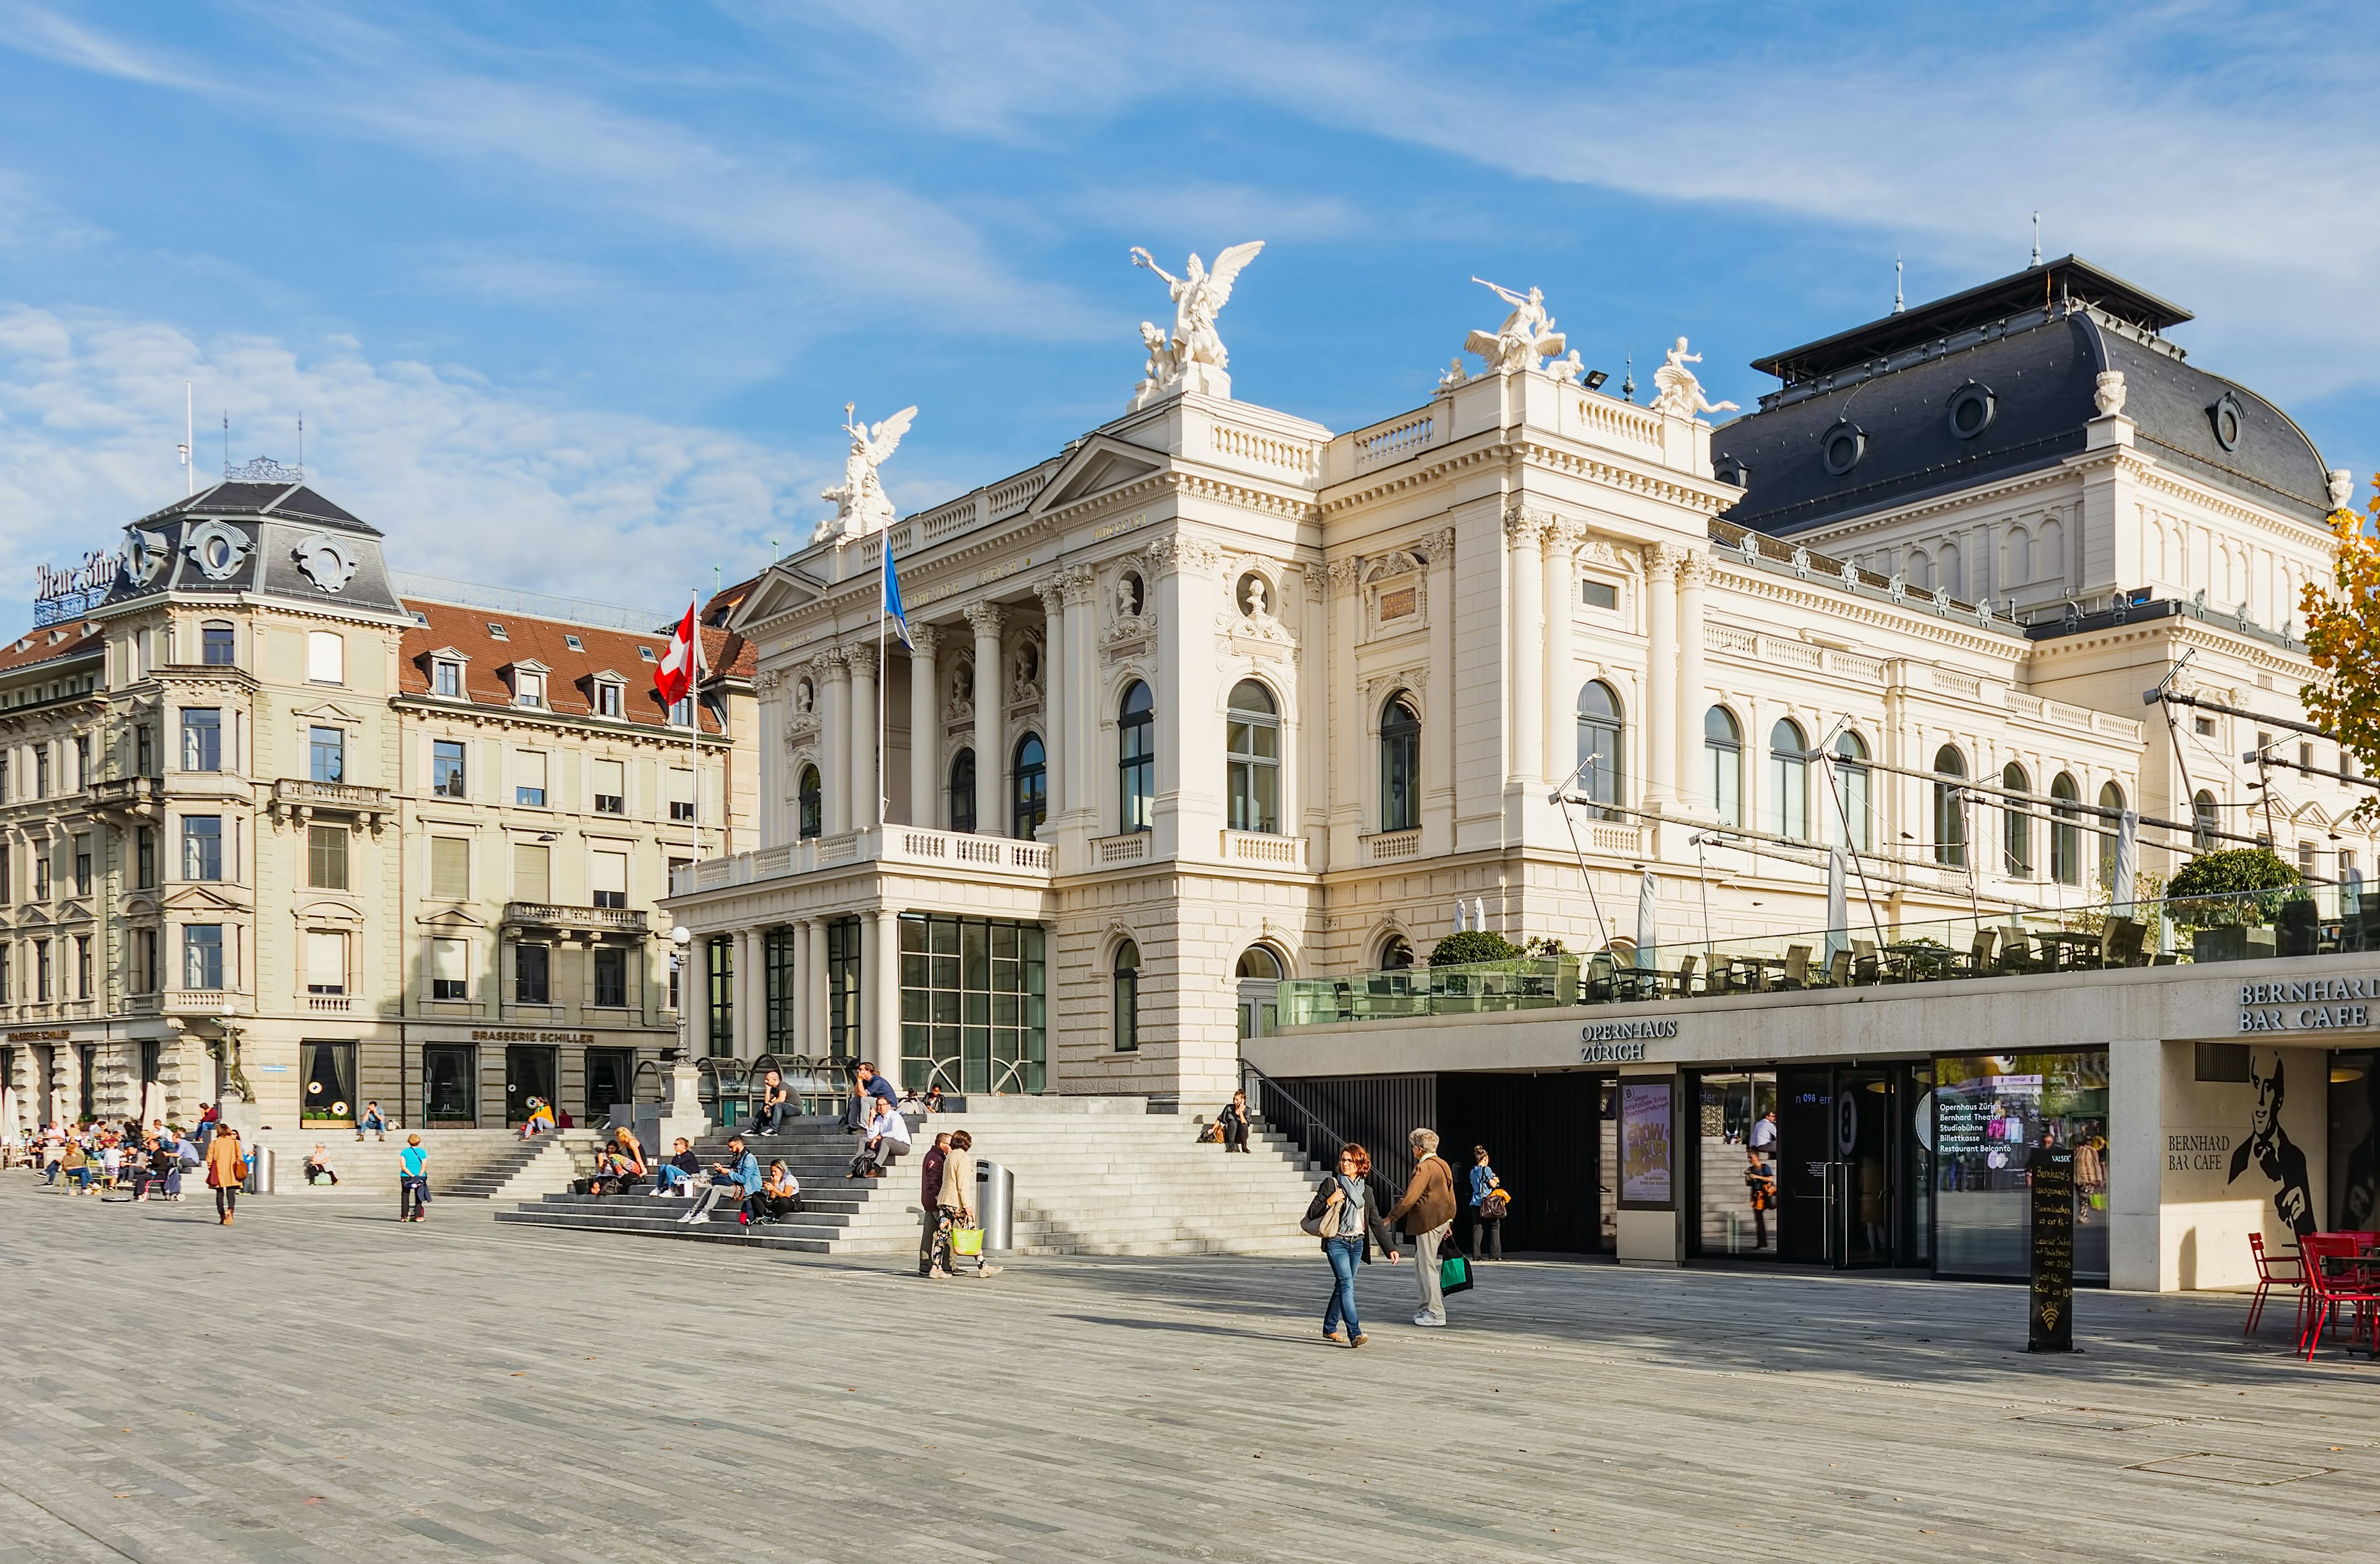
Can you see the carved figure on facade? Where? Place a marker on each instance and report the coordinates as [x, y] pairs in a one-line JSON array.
[[1455, 375], [1570, 370], [1678, 390], [1527, 334], [861, 505], [1192, 357], [1251, 619], [959, 708], [1024, 689], [2107, 393], [1180, 553], [2342, 488]]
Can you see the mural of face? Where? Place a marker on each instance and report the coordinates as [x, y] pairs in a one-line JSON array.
[[2268, 1098], [2273, 1153]]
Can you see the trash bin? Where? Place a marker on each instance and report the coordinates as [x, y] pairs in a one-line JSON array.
[[260, 1171], [995, 1200]]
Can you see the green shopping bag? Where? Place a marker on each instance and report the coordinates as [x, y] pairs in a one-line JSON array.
[[1454, 1274]]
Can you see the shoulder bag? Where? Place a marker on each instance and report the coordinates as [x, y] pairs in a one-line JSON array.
[[966, 1241], [1493, 1208]]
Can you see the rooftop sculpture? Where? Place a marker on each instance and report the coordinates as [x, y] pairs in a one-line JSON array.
[[1678, 390], [861, 504], [1191, 356], [1527, 334]]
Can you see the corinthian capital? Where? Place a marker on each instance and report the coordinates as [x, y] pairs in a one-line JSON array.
[[1344, 571], [1694, 569], [989, 619], [1662, 561], [925, 639], [862, 659]]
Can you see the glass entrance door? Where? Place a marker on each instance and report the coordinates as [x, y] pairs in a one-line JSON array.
[[1735, 1199], [610, 1073], [1864, 1162], [330, 1083], [449, 1085], [529, 1072]]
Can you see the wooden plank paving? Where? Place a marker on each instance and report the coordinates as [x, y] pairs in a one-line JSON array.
[[317, 1382]]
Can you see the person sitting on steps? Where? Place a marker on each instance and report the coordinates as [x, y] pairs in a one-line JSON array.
[[740, 1172], [318, 1167], [675, 1175], [775, 1103], [779, 1196]]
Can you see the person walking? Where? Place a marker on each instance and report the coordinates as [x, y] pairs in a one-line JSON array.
[[412, 1180], [1347, 1214], [1425, 1214], [1488, 1203], [929, 1191], [955, 1202], [226, 1166], [1234, 1120]]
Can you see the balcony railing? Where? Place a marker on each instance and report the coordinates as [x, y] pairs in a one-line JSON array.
[[199, 1001], [302, 796], [541, 914], [128, 795], [2182, 930], [893, 844]]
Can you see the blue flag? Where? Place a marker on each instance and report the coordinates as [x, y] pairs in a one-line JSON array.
[[892, 598]]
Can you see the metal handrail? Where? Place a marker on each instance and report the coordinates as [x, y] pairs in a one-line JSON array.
[[637, 1081], [1310, 1123]]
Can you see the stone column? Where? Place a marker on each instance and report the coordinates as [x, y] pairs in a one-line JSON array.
[[925, 727], [772, 684], [882, 1010], [1350, 722], [1318, 720], [990, 764], [834, 704], [1439, 797], [751, 995], [867, 795], [1560, 718], [1694, 686], [797, 1007], [1057, 727], [1660, 717], [1524, 659], [814, 992], [1086, 787]]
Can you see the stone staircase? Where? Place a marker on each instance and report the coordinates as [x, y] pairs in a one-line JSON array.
[[471, 1164], [1093, 1176]]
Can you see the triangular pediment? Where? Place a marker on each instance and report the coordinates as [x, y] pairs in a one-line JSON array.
[[326, 711], [452, 918], [198, 898], [1099, 466], [780, 590]]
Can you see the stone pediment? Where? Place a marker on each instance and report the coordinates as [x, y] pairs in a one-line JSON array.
[[328, 909], [781, 590], [1099, 466], [199, 899], [452, 918], [326, 711]]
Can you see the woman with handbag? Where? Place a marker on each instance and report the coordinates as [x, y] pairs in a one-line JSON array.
[[1489, 1206], [1347, 1214], [955, 1205], [227, 1168]]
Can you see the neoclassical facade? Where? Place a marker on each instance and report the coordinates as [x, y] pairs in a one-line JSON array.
[[1217, 696], [267, 825]]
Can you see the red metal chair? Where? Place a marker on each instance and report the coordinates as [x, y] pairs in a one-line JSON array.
[[2328, 1290], [2285, 1271]]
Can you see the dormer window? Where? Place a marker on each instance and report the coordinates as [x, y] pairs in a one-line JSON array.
[[608, 701], [446, 679], [528, 689]]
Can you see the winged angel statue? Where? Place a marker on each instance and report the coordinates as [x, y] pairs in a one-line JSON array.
[[1677, 389], [1191, 355], [861, 506], [1527, 334]]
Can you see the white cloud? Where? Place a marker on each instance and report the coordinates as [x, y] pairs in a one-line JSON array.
[[467, 480]]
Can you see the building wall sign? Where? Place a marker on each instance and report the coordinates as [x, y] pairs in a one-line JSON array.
[[1619, 1042], [48, 1035], [2322, 1004], [532, 1036], [67, 594]]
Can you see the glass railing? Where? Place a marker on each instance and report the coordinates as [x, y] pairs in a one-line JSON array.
[[2318, 920]]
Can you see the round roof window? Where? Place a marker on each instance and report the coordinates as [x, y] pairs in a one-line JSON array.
[[2228, 415], [1971, 409], [1841, 447]]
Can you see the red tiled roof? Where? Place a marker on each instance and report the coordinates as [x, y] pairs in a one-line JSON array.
[[48, 641], [569, 689]]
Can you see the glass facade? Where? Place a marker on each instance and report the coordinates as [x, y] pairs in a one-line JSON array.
[[1990, 1112], [973, 994], [777, 966], [842, 979], [449, 1084], [721, 967]]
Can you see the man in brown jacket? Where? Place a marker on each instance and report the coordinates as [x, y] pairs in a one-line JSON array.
[[1426, 1215]]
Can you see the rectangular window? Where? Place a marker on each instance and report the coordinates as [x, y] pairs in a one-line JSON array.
[[450, 869], [449, 1083], [721, 954], [144, 751], [326, 754], [83, 865], [1987, 1110], [973, 1003], [532, 975], [41, 971], [82, 763], [528, 689], [607, 699], [41, 876], [202, 955], [202, 738], [2305, 859], [449, 680], [532, 872], [681, 809], [449, 968], [216, 647], [82, 966], [608, 877], [1598, 594], [326, 857], [203, 847], [326, 963], [446, 767], [144, 961], [677, 786], [611, 787], [611, 976], [782, 997], [8, 879], [327, 657], [529, 778], [41, 770]]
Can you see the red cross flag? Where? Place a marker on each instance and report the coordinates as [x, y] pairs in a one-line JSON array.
[[681, 662]]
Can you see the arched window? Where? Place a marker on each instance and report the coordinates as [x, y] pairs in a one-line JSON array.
[[1135, 760], [1030, 796], [1950, 808], [1400, 765], [963, 791], [1853, 826], [1723, 765], [1396, 955], [2065, 831], [1947, 572], [1789, 782], [812, 797], [1259, 973], [216, 643], [2016, 825], [1598, 745], [1920, 569], [2206, 820], [1252, 764], [1126, 980], [2110, 798]]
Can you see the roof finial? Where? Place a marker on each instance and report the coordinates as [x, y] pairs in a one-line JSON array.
[[2036, 239], [1898, 306], [1628, 386]]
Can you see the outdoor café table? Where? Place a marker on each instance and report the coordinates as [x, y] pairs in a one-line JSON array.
[[1925, 961], [2079, 949]]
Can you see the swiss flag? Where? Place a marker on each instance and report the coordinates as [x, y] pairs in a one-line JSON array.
[[675, 675]]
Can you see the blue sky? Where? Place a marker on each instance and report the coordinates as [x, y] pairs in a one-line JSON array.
[[571, 297]]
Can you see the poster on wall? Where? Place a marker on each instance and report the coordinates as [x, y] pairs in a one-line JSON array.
[[1644, 1118]]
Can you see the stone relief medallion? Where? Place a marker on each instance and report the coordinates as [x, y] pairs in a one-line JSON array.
[[146, 554], [325, 562], [217, 548]]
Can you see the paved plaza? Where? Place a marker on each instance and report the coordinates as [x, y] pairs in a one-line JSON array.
[[319, 1383]]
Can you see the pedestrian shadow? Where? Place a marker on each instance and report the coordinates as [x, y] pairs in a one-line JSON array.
[[1180, 1327]]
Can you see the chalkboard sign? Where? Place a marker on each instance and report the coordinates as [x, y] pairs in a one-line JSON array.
[[2052, 1323]]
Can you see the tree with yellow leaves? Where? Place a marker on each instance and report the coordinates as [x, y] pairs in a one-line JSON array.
[[2343, 638]]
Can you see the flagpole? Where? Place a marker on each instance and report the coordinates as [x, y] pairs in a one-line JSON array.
[[884, 602]]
